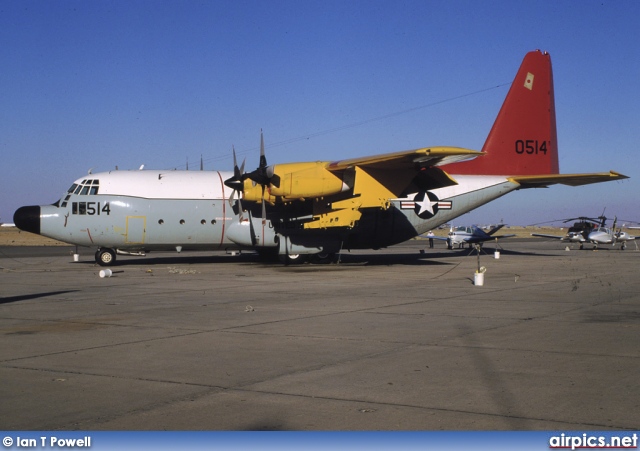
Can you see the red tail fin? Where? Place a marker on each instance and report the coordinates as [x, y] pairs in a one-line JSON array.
[[523, 139]]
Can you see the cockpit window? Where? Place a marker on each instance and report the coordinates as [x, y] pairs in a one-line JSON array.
[[87, 187]]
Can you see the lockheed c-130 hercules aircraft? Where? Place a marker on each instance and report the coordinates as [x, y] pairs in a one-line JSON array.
[[297, 210]]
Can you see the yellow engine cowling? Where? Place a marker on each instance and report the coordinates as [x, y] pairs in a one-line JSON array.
[[298, 181]]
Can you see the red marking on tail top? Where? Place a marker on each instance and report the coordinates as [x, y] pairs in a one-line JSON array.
[[523, 139]]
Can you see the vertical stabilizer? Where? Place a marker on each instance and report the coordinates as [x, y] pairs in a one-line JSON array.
[[523, 139]]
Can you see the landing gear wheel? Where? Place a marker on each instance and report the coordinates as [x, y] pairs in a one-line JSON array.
[[105, 257], [293, 259], [323, 257]]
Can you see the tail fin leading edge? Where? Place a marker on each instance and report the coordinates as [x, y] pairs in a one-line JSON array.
[[523, 139]]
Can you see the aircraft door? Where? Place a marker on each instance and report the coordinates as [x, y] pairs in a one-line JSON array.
[[136, 229]]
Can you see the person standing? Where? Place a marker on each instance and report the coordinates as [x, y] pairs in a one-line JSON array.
[[430, 235]]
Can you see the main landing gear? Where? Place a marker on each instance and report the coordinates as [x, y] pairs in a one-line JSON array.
[[298, 259], [105, 256]]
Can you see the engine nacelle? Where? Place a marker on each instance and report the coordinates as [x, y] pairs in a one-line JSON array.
[[250, 232], [299, 181]]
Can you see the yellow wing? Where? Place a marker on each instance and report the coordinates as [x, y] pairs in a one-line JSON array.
[[427, 156]]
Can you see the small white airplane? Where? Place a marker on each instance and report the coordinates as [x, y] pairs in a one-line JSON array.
[[605, 235], [7, 224], [460, 236], [316, 209]]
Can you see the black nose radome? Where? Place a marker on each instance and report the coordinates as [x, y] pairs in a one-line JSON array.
[[28, 219]]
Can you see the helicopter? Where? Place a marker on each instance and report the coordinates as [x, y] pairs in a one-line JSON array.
[[579, 232]]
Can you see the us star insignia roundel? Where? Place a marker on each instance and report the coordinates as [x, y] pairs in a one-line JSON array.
[[426, 205]]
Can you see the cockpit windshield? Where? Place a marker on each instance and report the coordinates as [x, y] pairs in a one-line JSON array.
[[88, 187]]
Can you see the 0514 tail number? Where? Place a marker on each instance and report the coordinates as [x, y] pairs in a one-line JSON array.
[[531, 147]]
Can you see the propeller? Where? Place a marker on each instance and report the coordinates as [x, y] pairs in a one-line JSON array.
[[236, 183], [264, 176]]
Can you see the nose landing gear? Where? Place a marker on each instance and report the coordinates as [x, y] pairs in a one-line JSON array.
[[105, 256]]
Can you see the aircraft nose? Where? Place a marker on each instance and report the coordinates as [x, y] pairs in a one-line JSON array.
[[28, 219]]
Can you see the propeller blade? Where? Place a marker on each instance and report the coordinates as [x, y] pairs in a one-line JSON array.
[[236, 182], [252, 231], [263, 158], [235, 160], [239, 205], [264, 209]]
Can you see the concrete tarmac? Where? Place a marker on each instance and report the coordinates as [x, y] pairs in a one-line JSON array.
[[386, 340]]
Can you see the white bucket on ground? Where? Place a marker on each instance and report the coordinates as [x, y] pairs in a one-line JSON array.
[[76, 257], [105, 273], [478, 278], [496, 255]]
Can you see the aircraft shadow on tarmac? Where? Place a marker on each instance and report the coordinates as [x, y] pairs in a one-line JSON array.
[[26, 297], [373, 258]]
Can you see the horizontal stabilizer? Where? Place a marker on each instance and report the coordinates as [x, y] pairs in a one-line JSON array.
[[542, 181], [495, 229]]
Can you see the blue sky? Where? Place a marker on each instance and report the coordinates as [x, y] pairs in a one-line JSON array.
[[99, 84]]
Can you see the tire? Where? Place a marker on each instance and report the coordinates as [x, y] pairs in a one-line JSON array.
[[293, 259], [105, 257], [323, 258]]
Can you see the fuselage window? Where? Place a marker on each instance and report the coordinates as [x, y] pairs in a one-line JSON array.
[[85, 191], [94, 190], [72, 189], [78, 189]]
